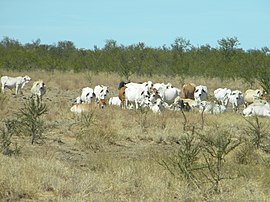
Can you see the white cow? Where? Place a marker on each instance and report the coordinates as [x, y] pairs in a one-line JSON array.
[[222, 95], [201, 93], [250, 95], [168, 95], [162, 86], [211, 108], [38, 89], [157, 106], [115, 101], [87, 96], [137, 93], [145, 86], [14, 82], [101, 92], [258, 109], [166, 92], [236, 98]]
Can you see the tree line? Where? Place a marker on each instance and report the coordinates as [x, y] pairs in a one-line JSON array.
[[181, 58]]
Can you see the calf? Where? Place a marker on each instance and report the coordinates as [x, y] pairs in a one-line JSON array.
[[236, 98], [87, 107], [211, 108], [38, 89]]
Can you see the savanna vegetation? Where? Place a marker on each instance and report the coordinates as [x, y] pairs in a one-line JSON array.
[[51, 154], [181, 58]]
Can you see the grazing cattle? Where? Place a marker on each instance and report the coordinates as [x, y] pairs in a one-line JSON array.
[[251, 95], [137, 93], [257, 109], [87, 96], [201, 93], [236, 98], [115, 101], [222, 96], [14, 82], [101, 92], [38, 89], [187, 91]]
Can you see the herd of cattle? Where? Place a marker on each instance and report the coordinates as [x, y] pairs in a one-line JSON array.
[[158, 97]]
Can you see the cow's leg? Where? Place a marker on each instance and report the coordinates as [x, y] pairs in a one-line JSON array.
[[136, 104], [125, 105], [3, 88], [17, 89]]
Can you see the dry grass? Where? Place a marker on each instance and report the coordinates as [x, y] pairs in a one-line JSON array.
[[114, 154]]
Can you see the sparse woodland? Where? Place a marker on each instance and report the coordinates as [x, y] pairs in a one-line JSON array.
[[111, 154]]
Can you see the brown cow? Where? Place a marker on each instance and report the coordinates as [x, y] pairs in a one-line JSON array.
[[187, 91], [121, 95], [87, 107]]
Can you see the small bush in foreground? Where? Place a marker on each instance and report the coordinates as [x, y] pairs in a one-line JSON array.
[[30, 119]]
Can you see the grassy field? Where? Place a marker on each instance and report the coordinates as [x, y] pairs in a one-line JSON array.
[[126, 155]]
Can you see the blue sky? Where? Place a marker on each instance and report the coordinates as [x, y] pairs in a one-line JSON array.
[[155, 22]]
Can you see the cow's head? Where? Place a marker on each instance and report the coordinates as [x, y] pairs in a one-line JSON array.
[[259, 93], [103, 92], [27, 78], [102, 103], [90, 95], [200, 93], [236, 94]]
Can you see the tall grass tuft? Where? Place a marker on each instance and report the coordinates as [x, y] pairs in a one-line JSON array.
[[7, 145]]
